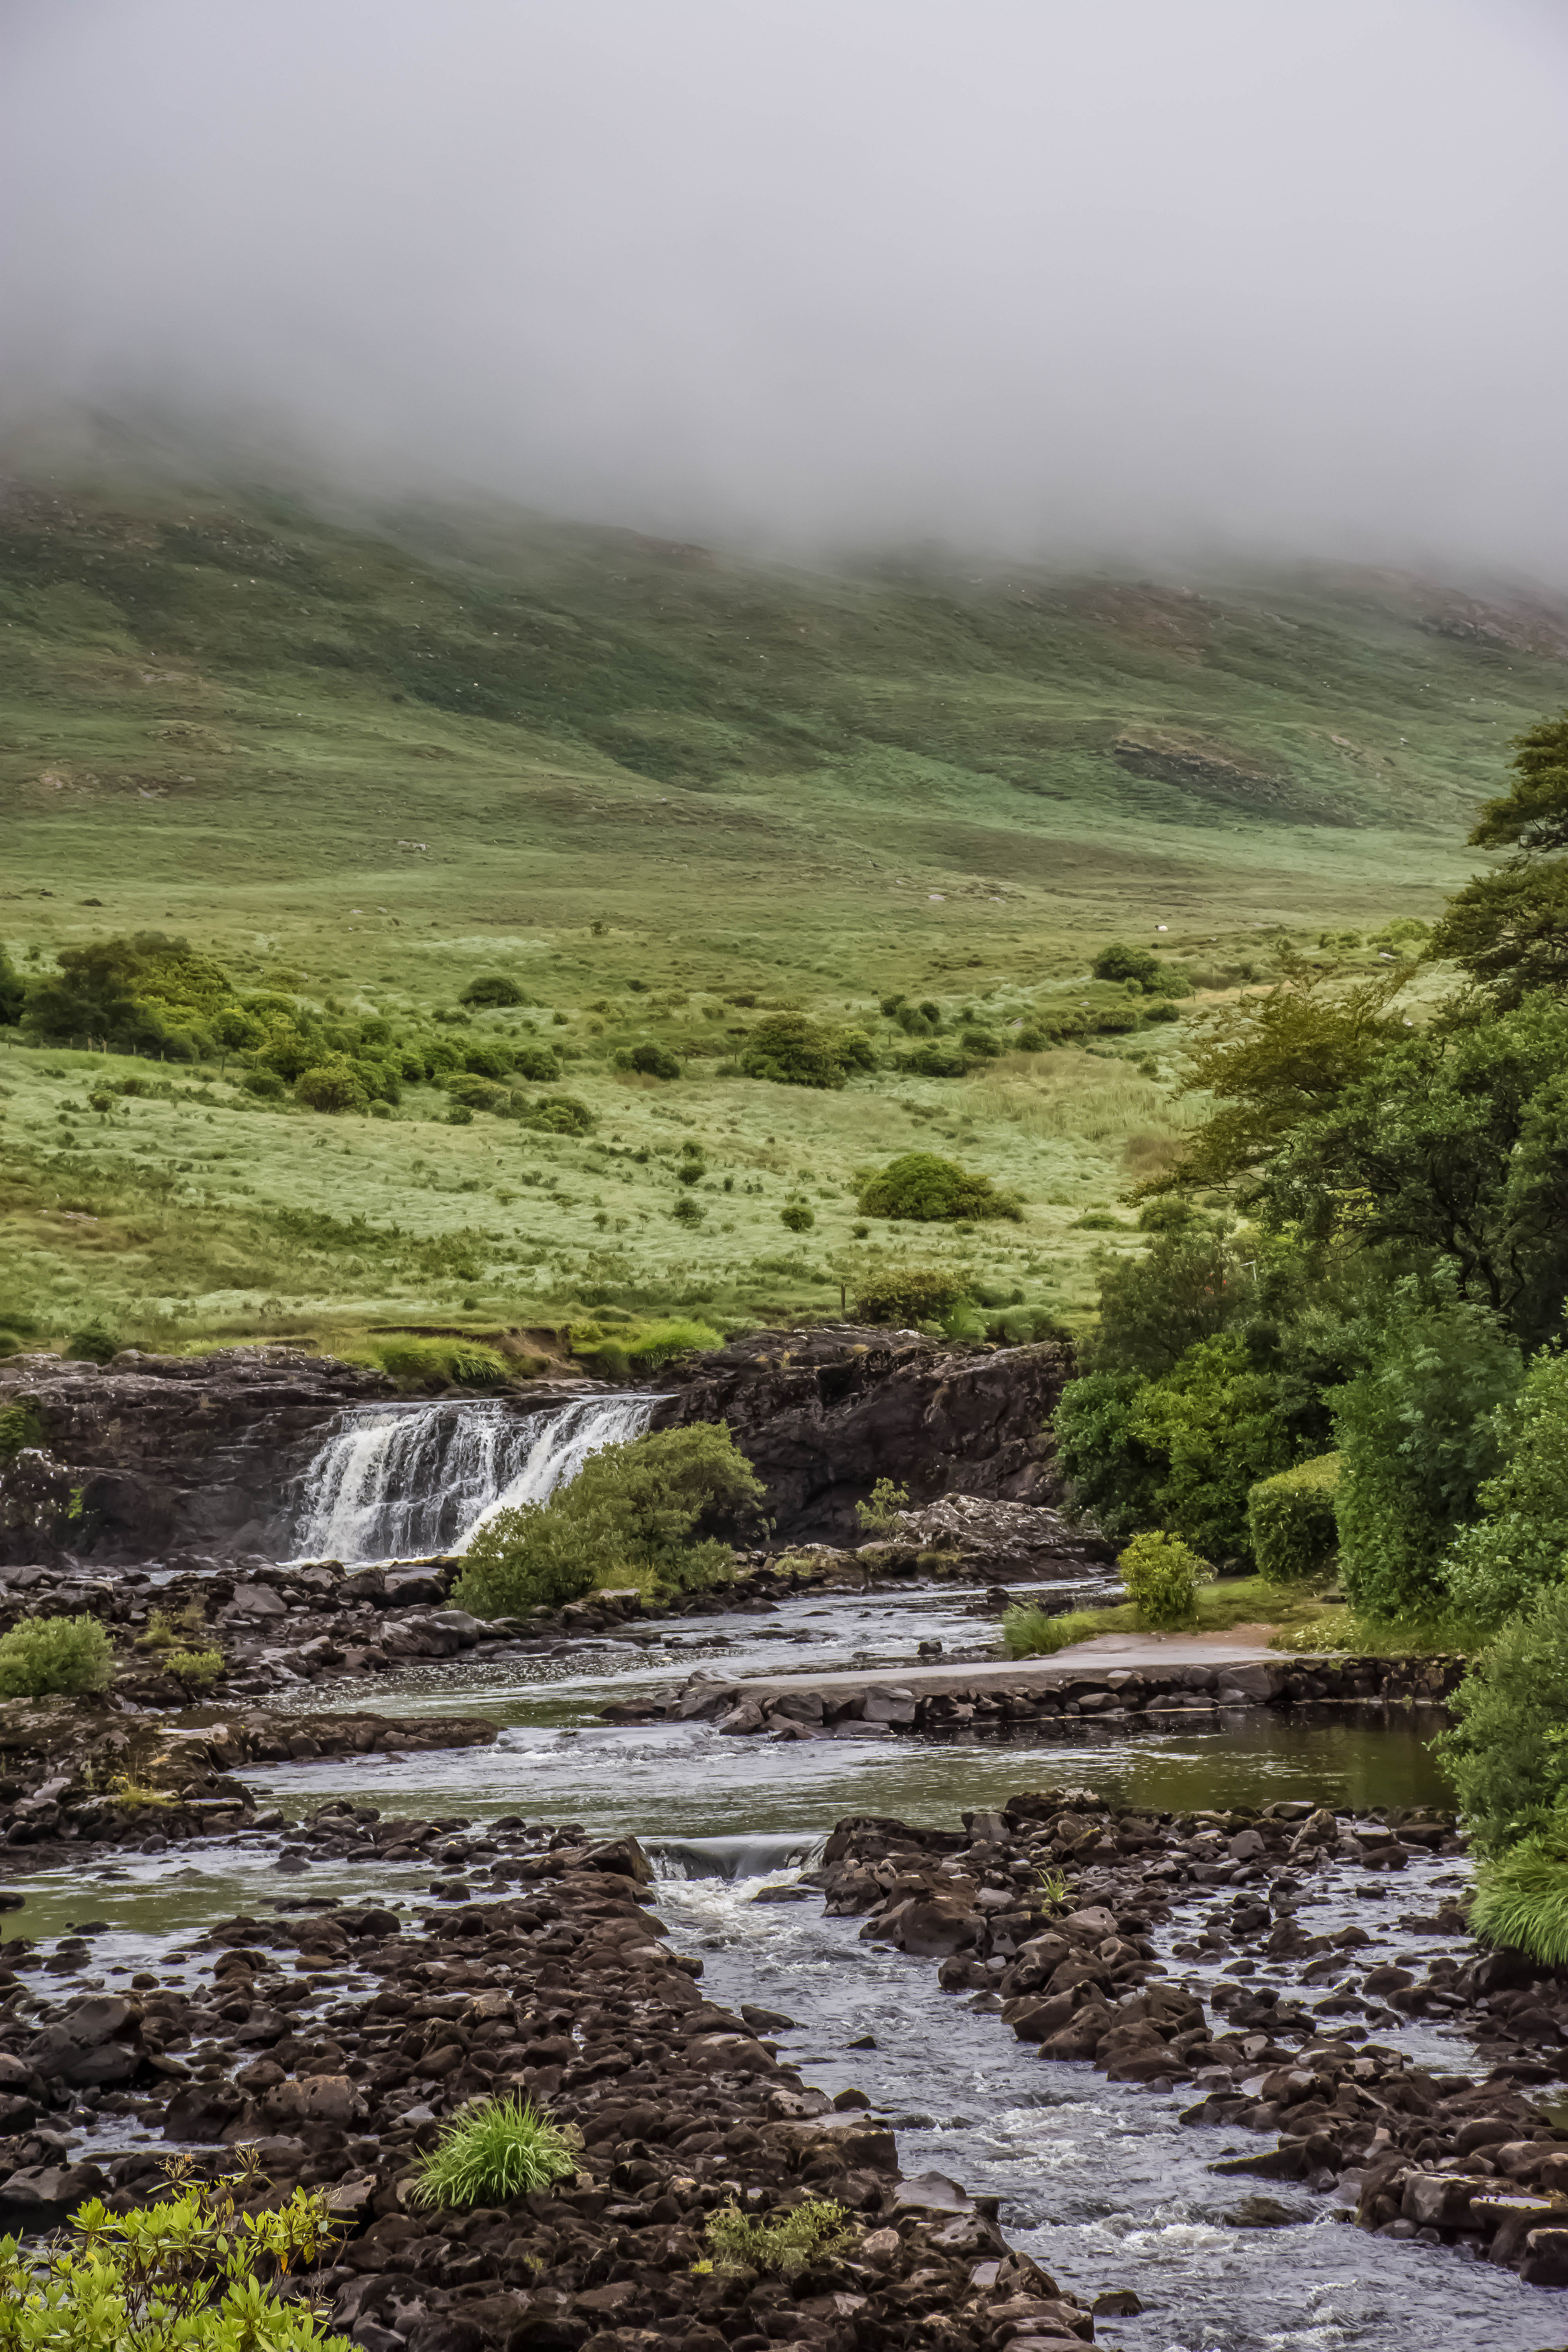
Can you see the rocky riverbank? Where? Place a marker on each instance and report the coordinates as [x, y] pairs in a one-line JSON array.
[[335, 2040], [1054, 1911], [1003, 1700]]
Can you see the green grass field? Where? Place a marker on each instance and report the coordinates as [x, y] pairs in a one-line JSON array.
[[361, 760]]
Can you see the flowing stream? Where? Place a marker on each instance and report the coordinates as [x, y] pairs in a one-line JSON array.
[[1098, 2180], [400, 1481]]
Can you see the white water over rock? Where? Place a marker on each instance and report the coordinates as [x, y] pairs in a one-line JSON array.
[[400, 1481]]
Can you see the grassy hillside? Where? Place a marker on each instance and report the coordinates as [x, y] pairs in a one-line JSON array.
[[362, 762]]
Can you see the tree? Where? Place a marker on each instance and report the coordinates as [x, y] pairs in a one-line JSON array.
[[1113, 1470], [1520, 1544], [920, 1185], [234, 1031], [1417, 1438], [790, 1050], [1190, 1285], [1452, 1146], [1506, 1754], [13, 991], [654, 1061], [1510, 929], [1219, 1426], [1118, 963], [492, 988], [332, 1086]]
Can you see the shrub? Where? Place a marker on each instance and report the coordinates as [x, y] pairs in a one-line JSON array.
[[197, 1669], [1505, 1753], [332, 1086], [797, 1217], [931, 1190], [688, 1212], [418, 1363], [1521, 1901], [790, 1050], [908, 1294], [642, 1348], [636, 1506], [264, 1083], [1031, 1633], [1290, 1519], [487, 1057], [95, 1343], [492, 988], [1162, 1575], [44, 1655], [491, 2152], [1118, 963], [560, 1115], [981, 1044], [1521, 1542], [881, 1514], [1417, 1437], [182, 2272], [475, 1093], [19, 1427], [935, 1062], [538, 1063], [808, 2232], [653, 1060]]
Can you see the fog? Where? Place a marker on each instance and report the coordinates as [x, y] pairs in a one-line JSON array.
[[1044, 274]]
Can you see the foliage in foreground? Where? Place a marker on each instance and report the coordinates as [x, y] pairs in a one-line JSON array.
[[45, 1654], [620, 1352], [184, 2272], [1032, 1632], [1521, 1901], [1292, 1523], [814, 2228], [632, 1513], [1506, 1753], [1162, 1575], [1520, 1543], [908, 1294], [491, 2152]]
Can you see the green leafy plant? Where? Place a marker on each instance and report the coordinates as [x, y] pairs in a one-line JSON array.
[[491, 2152], [650, 1059], [492, 988], [196, 1669], [195, 2271], [797, 1217], [95, 1343], [881, 1514], [45, 1654], [790, 1050], [1162, 1575], [634, 1511], [333, 1086], [1520, 1542], [1033, 1632], [908, 1294], [814, 2230], [19, 1428], [1504, 1753], [1521, 1901], [1291, 1520], [930, 1190]]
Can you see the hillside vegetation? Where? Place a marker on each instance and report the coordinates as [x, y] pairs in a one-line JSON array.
[[657, 800]]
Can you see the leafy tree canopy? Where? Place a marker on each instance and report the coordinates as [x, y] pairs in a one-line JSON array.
[[920, 1185]]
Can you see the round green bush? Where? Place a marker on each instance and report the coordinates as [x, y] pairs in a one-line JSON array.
[[536, 1063], [788, 1050], [1290, 1518], [1162, 1575], [95, 1343], [560, 1115], [492, 988], [488, 1058], [259, 1082], [654, 1061], [48, 1654], [797, 1217], [332, 1086], [931, 1190]]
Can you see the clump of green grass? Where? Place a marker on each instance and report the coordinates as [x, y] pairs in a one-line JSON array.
[[47, 1655], [197, 1669], [809, 2231], [491, 2152], [617, 1354], [437, 1363], [1521, 1902], [19, 1427], [1033, 1632]]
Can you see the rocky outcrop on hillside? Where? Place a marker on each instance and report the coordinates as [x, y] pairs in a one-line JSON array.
[[823, 1414]]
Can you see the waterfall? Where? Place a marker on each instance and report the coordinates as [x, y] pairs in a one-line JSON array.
[[401, 1481], [758, 1855]]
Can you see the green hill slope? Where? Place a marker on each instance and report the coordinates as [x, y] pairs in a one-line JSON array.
[[368, 757]]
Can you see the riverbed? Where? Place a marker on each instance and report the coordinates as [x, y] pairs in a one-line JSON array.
[[1100, 2180]]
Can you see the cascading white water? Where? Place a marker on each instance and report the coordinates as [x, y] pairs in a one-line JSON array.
[[401, 1481]]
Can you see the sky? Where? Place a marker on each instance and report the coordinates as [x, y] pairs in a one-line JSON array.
[[1041, 275]]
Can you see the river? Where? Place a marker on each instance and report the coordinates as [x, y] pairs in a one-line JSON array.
[[1098, 2180]]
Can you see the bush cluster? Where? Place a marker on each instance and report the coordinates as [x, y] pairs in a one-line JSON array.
[[928, 1189], [45, 1656], [1290, 1519], [1162, 1575]]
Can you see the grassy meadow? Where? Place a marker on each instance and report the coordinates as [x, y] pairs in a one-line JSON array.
[[665, 790]]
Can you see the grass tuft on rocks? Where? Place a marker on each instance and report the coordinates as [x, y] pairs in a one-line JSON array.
[[491, 2152], [815, 2227], [1035, 1633]]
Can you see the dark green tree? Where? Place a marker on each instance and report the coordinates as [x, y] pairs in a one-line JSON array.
[[13, 991], [1510, 929]]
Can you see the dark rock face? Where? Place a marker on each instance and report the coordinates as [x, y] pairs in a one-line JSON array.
[[157, 1453], [822, 1416]]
